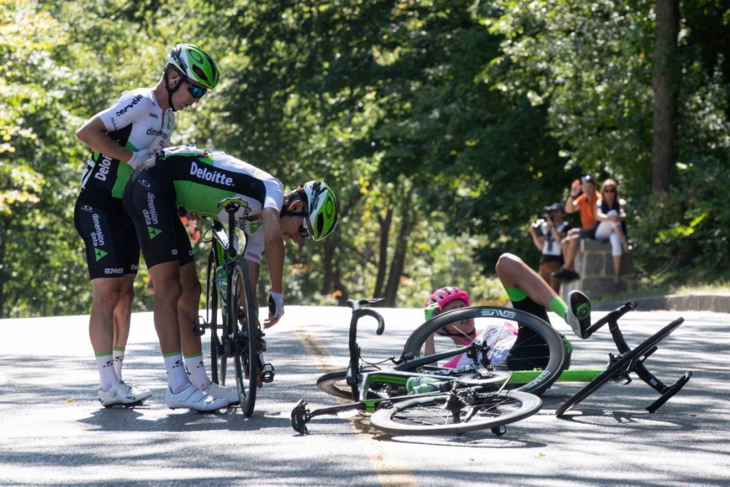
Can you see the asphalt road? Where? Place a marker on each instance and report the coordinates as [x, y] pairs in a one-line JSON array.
[[55, 432]]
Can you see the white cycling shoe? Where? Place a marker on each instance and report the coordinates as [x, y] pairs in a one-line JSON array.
[[121, 394], [193, 398], [231, 395], [579, 313]]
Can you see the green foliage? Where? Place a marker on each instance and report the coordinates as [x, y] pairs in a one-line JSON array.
[[443, 126]]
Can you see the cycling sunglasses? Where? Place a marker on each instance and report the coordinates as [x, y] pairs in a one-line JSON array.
[[195, 90]]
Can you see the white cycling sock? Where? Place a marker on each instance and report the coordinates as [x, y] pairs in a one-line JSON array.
[[177, 379], [105, 364], [118, 354], [196, 371]]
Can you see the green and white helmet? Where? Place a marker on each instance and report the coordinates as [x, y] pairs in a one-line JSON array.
[[194, 63], [322, 209]]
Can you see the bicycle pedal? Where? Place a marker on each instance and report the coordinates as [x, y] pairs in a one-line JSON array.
[[267, 373]]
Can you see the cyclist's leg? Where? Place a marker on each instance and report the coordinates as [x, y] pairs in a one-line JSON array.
[[521, 282], [123, 310], [516, 276], [105, 296], [95, 222], [144, 197]]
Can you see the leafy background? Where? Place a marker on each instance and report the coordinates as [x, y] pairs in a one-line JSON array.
[[444, 126]]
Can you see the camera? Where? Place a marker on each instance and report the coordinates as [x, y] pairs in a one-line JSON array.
[[548, 210], [538, 224]]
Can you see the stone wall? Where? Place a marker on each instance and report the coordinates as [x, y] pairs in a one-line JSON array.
[[594, 263]]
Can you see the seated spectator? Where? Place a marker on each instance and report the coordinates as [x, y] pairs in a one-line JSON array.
[[583, 198], [547, 235], [611, 213]]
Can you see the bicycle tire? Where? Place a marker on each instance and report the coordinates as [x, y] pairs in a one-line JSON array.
[[611, 371], [245, 332], [538, 345], [211, 298], [334, 384], [427, 416]]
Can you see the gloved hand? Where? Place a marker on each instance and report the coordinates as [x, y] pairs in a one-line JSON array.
[[140, 157], [276, 309]]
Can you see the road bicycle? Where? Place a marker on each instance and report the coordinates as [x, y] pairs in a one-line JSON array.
[[530, 359], [415, 396], [618, 369], [237, 343]]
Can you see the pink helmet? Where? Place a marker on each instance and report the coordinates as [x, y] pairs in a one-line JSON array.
[[445, 295]]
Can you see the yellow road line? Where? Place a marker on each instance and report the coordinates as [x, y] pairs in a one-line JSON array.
[[389, 465]]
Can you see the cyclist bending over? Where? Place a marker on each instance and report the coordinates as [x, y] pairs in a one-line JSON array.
[[197, 179], [528, 292]]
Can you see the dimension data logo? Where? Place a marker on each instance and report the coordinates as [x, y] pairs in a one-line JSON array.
[[99, 254], [213, 176], [153, 232]]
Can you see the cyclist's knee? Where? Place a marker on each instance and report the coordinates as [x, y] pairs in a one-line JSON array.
[[168, 291], [106, 293], [126, 297], [507, 266]]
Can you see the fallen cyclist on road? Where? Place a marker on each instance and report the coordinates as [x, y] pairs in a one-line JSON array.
[[197, 180], [528, 292]]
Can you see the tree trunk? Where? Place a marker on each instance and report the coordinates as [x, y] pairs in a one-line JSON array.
[[383, 254], [332, 281], [399, 257], [329, 257], [666, 82]]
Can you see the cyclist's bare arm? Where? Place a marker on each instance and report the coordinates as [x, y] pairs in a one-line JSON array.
[[94, 134], [274, 247], [253, 273]]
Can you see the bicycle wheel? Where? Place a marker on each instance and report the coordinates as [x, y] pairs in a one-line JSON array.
[[245, 337], [536, 346], [457, 412], [617, 367]]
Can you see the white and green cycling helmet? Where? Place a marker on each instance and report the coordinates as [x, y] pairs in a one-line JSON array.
[[194, 63], [322, 209]]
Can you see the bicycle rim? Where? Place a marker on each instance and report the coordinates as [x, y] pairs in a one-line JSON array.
[[538, 347], [614, 369], [433, 415], [245, 341]]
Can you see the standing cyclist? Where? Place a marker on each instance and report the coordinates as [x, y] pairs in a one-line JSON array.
[[197, 180], [121, 138]]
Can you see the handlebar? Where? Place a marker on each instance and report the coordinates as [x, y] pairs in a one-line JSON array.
[[611, 318], [357, 313]]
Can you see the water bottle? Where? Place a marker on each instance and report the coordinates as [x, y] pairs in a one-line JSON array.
[[420, 385]]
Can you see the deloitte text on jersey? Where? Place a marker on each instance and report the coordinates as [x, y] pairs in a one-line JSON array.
[[212, 176]]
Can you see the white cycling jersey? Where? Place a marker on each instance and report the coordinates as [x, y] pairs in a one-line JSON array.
[[135, 122], [500, 338]]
